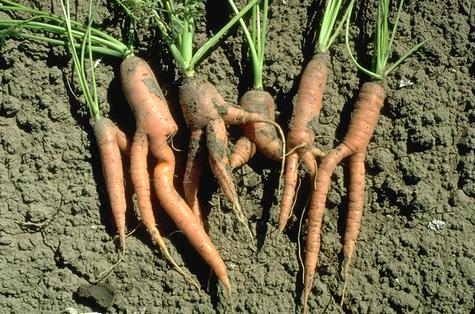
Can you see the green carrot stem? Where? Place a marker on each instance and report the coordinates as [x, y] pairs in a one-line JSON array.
[[78, 63], [255, 39], [328, 32], [110, 46], [38, 14], [383, 42]]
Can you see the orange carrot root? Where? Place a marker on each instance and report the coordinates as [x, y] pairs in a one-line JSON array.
[[300, 139], [360, 130], [262, 134], [243, 151], [111, 141], [191, 178], [183, 217], [155, 126]]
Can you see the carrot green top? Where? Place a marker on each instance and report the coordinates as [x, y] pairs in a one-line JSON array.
[[176, 23], [383, 42], [44, 22], [328, 32], [81, 39], [256, 38]]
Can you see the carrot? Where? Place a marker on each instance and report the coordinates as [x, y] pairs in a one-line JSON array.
[[205, 109], [303, 124], [261, 136], [154, 126], [110, 139], [354, 145], [193, 170], [302, 130], [111, 142], [363, 121]]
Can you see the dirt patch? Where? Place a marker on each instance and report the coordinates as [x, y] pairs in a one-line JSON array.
[[415, 253]]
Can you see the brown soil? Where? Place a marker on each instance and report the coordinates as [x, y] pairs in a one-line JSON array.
[[57, 235]]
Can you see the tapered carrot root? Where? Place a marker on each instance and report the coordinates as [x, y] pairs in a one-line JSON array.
[[263, 135], [191, 178], [300, 139], [154, 126], [243, 151], [185, 220], [111, 142], [218, 159], [363, 121], [205, 109], [355, 211]]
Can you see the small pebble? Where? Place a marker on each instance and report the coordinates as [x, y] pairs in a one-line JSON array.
[[436, 225]]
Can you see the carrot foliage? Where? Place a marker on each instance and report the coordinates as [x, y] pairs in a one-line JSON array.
[[51, 28], [383, 42], [329, 30], [175, 21], [256, 37]]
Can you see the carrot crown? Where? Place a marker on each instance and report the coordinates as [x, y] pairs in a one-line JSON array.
[[383, 42], [328, 33], [176, 23]]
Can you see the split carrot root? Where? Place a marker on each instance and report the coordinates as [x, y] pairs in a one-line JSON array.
[[363, 121], [300, 139], [205, 109], [111, 142], [260, 136], [154, 126]]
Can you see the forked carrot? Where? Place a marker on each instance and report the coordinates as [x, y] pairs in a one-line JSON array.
[[303, 125], [111, 142], [302, 130], [205, 109], [154, 126], [363, 121], [354, 145]]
